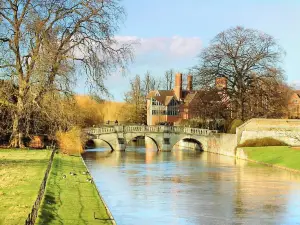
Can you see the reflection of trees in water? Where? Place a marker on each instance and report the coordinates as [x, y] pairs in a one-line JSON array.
[[214, 186], [238, 204], [260, 191]]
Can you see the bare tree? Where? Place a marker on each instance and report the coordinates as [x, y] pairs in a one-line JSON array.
[[243, 56], [136, 108], [150, 83], [43, 42], [267, 98], [209, 105], [169, 79], [136, 101]]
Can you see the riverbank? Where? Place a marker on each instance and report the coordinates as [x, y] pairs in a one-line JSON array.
[[21, 174], [71, 198], [283, 157]]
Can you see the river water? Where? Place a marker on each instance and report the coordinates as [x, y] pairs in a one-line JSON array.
[[142, 186]]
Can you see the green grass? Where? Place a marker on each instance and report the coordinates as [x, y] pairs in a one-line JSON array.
[[21, 174], [72, 200], [278, 155]]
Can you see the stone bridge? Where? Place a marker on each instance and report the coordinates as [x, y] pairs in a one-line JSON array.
[[164, 137]]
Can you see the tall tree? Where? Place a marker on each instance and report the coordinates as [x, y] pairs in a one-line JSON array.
[[243, 56], [150, 83], [42, 42], [169, 79], [209, 104], [136, 100]]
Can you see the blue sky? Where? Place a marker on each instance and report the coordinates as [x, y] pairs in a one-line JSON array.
[[173, 32]]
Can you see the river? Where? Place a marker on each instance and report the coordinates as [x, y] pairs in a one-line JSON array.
[[146, 187]]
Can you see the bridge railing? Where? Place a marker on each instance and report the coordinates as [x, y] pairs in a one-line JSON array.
[[101, 130], [141, 129]]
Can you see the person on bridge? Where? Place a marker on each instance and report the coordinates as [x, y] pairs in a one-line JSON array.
[[116, 122]]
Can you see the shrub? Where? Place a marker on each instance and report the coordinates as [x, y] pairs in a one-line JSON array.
[[259, 142], [193, 123], [70, 142], [234, 124]]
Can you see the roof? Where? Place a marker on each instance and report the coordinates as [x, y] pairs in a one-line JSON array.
[[166, 96], [151, 94], [162, 96], [189, 97], [168, 99]]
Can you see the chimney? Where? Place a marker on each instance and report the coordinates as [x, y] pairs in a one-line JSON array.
[[189, 83], [221, 82], [178, 85]]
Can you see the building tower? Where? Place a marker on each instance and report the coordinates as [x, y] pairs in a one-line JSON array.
[[178, 86], [189, 83]]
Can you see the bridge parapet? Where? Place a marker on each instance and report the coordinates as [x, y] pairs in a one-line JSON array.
[[149, 129], [198, 131]]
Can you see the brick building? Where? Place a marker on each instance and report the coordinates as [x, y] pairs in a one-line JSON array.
[[172, 106]]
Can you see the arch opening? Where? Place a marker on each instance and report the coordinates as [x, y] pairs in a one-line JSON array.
[[98, 144], [188, 144], [143, 142]]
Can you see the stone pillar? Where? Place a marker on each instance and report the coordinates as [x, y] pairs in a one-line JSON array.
[[165, 143], [120, 144]]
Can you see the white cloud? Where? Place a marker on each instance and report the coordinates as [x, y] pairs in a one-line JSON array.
[[176, 46], [296, 84]]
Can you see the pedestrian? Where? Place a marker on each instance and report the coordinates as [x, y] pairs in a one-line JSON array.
[[116, 122]]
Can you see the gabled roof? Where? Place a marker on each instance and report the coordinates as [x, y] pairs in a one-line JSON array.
[[189, 97], [159, 99], [166, 92], [168, 100], [151, 94], [164, 96]]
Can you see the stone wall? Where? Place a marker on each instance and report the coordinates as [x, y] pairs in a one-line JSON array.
[[287, 130], [223, 144]]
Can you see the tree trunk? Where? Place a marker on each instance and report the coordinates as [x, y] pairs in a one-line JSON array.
[[16, 139]]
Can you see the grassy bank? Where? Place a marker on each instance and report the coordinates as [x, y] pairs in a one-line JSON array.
[[21, 173], [71, 200], [283, 156]]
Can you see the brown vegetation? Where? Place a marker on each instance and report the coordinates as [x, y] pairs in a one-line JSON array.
[[259, 142], [71, 142], [93, 112]]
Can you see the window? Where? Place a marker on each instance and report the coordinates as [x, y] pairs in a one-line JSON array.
[[155, 102], [173, 102], [159, 112]]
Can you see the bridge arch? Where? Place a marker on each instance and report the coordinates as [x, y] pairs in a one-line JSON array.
[[187, 141], [148, 136], [100, 139]]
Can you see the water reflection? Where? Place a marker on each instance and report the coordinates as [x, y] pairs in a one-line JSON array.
[[143, 186]]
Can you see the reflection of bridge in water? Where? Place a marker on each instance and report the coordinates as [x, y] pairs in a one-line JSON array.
[[164, 137]]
